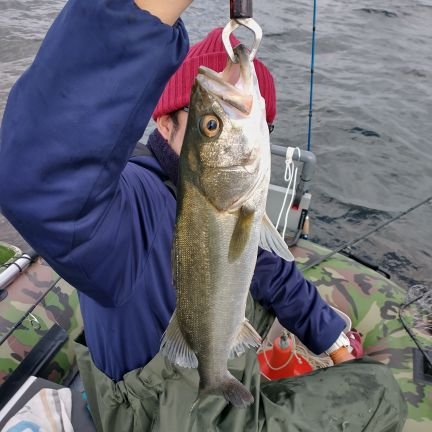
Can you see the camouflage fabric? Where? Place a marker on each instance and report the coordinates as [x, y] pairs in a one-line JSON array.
[[22, 324], [7, 253], [372, 302]]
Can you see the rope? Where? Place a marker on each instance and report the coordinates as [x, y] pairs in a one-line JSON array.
[[293, 347], [290, 177], [315, 361], [299, 351]]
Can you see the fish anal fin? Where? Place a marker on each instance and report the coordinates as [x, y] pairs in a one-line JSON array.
[[241, 233], [175, 348], [246, 338], [272, 241]]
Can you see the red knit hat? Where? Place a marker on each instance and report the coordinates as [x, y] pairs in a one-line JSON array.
[[210, 52]]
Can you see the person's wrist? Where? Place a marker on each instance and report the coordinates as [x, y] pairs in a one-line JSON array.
[[341, 341], [341, 355], [168, 11]]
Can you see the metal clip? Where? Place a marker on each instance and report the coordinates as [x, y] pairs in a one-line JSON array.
[[34, 322], [251, 25]]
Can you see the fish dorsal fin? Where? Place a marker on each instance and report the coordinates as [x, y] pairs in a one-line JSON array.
[[175, 348], [272, 241], [246, 338], [241, 232]]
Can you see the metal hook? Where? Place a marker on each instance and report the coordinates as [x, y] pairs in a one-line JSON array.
[[34, 322], [251, 25]]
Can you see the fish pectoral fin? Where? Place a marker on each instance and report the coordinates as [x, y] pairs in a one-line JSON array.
[[175, 348], [272, 241], [241, 232], [246, 338]]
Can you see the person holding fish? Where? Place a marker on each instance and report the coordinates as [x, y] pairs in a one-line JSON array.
[[107, 222]]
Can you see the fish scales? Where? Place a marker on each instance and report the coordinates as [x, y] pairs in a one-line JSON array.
[[224, 173]]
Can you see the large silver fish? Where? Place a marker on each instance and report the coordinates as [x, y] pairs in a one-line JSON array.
[[224, 176]]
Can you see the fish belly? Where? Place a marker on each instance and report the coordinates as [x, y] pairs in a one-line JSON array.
[[211, 291]]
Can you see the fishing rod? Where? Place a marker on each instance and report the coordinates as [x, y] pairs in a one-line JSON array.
[[359, 239], [312, 74]]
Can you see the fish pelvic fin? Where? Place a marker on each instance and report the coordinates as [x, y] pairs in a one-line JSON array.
[[247, 338], [175, 348], [241, 233], [230, 388], [272, 241]]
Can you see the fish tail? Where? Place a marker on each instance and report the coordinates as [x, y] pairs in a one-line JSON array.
[[233, 391], [236, 393], [230, 388]]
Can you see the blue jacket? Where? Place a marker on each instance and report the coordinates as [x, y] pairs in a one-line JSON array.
[[103, 223]]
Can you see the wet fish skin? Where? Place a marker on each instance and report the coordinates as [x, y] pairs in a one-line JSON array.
[[223, 183]]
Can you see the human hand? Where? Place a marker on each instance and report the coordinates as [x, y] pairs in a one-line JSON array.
[[168, 11], [341, 355]]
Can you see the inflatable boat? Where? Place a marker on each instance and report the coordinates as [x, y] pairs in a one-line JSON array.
[[40, 315]]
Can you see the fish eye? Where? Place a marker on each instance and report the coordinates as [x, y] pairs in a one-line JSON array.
[[209, 125]]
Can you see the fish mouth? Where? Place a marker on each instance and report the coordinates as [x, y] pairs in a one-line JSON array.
[[232, 86]]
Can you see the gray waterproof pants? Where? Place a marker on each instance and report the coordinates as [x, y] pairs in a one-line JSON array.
[[357, 396]]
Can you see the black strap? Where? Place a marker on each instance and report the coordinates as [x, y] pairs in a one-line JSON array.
[[35, 363]]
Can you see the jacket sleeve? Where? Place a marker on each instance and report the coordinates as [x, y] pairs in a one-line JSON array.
[[280, 287], [69, 127]]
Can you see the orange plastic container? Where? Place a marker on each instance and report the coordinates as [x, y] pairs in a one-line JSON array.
[[279, 362]]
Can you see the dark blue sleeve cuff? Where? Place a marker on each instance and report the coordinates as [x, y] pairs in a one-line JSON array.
[[279, 286]]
